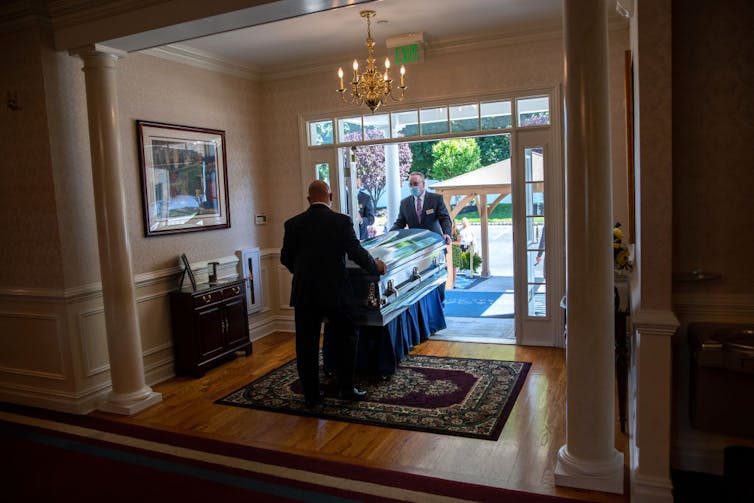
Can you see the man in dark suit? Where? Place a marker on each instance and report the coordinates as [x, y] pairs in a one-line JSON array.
[[423, 210], [366, 210], [315, 246]]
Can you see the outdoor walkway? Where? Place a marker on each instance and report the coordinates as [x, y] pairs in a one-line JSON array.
[[480, 318]]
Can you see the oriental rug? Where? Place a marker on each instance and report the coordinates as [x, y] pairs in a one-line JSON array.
[[450, 396]]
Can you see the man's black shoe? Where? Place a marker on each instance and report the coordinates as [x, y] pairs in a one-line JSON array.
[[313, 402], [352, 394]]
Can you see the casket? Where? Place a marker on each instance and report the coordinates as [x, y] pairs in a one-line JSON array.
[[415, 263]]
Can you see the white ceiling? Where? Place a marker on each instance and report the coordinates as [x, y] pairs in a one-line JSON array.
[[340, 33]]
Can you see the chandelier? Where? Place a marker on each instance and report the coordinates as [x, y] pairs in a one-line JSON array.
[[370, 87]]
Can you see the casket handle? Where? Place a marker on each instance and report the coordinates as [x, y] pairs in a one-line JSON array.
[[391, 290], [415, 274]]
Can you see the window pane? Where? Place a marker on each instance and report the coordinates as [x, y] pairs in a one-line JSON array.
[[533, 111], [536, 247], [322, 172], [433, 120], [349, 129], [320, 133], [496, 115], [376, 126], [464, 118], [405, 124]]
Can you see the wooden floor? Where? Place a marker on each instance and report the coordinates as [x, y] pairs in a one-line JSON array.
[[523, 458]]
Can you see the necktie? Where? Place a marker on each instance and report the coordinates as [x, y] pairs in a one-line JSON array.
[[419, 208]]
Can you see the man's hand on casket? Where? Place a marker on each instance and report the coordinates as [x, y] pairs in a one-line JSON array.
[[380, 266], [447, 239]]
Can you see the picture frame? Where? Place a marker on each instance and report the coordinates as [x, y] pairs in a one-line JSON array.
[[184, 178], [187, 271]]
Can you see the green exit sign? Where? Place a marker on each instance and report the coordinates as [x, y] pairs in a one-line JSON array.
[[408, 54]]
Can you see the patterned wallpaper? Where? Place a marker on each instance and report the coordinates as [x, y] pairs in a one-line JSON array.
[[27, 194], [713, 134]]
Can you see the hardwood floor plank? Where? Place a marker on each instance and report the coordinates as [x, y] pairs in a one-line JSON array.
[[523, 458]]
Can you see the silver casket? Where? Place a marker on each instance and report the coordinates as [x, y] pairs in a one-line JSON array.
[[415, 263]]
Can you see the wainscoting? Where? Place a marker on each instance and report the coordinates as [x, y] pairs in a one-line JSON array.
[[53, 344]]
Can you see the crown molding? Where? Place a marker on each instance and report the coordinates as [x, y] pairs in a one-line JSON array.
[[181, 53], [68, 13]]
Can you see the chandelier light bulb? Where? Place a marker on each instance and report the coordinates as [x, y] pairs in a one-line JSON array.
[[340, 76], [355, 66], [387, 63]]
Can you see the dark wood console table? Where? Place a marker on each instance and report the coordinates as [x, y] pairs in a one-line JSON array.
[[209, 326]]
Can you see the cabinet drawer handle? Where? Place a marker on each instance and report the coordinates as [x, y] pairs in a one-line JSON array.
[[236, 290], [207, 298]]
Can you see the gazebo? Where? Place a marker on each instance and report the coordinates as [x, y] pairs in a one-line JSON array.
[[477, 185]]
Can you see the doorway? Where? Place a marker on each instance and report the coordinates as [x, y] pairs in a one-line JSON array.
[[507, 212]]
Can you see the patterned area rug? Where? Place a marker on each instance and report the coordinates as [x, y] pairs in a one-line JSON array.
[[450, 396]]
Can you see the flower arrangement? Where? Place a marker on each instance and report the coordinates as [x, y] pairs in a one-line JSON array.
[[621, 253]]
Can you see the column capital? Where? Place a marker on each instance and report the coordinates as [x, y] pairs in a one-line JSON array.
[[86, 51]]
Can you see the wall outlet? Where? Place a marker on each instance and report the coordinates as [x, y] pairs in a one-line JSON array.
[[261, 219]]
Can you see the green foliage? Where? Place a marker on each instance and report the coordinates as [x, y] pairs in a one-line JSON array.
[[421, 152], [494, 149], [456, 256], [465, 260], [454, 157], [501, 212], [461, 259]]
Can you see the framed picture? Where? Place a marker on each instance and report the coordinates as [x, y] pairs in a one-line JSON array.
[[187, 271], [184, 178]]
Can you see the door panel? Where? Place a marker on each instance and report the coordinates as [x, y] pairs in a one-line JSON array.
[[536, 220]]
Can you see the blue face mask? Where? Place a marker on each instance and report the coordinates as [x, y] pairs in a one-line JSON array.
[[416, 190]]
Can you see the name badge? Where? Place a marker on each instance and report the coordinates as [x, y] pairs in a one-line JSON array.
[[429, 211]]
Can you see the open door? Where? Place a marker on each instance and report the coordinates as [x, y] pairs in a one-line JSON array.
[[537, 240]]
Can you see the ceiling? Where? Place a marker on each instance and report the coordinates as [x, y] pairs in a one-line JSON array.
[[339, 34]]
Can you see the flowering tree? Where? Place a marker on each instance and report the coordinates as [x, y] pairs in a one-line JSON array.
[[371, 159]]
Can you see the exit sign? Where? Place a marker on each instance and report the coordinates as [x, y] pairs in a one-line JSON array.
[[406, 54]]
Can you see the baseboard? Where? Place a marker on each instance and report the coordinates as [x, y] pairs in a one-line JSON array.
[[270, 324]]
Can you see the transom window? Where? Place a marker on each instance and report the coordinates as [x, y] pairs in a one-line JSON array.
[[467, 117]]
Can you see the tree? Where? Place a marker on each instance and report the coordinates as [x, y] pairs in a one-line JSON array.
[[454, 157], [371, 162], [422, 156], [494, 148]]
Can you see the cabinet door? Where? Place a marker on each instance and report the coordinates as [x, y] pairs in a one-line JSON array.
[[237, 323], [211, 341]]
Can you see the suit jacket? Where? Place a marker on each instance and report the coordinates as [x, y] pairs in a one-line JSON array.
[[366, 210], [435, 216], [315, 245]]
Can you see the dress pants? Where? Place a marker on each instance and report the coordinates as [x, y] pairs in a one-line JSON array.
[[308, 322]]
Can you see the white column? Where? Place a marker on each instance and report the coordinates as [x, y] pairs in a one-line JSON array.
[[392, 182], [130, 394], [484, 220], [589, 459]]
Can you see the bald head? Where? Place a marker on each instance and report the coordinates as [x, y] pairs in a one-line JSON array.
[[319, 192]]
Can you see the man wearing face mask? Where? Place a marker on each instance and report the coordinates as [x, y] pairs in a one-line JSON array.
[[423, 210], [315, 245]]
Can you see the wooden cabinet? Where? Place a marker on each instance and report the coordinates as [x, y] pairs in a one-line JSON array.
[[209, 326]]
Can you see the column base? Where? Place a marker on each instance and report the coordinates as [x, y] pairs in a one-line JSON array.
[[132, 407], [605, 477]]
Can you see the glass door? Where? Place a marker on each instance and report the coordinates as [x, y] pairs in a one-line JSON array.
[[537, 221]]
